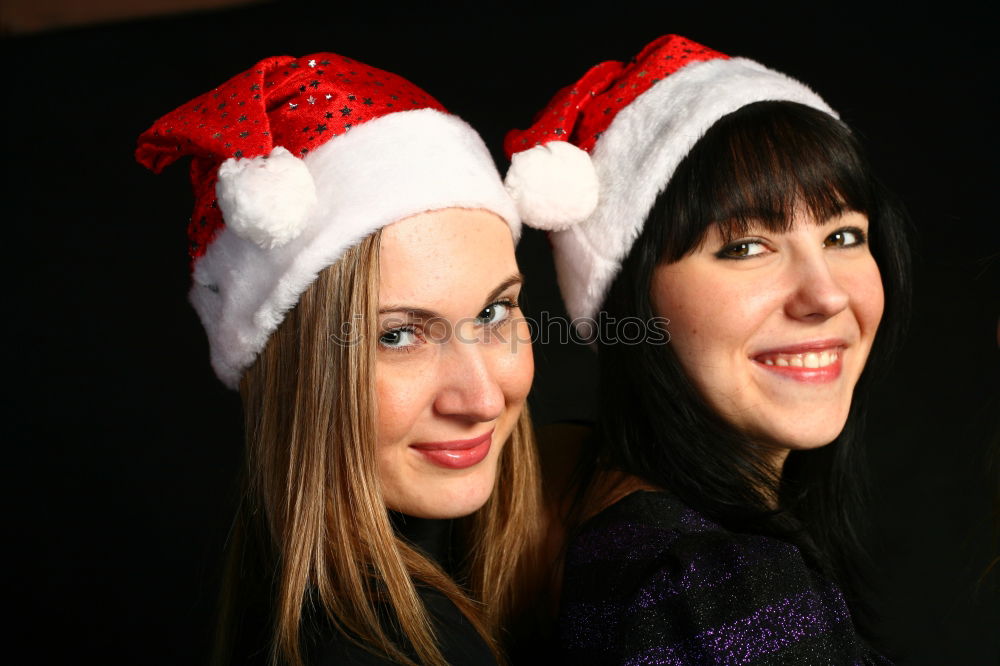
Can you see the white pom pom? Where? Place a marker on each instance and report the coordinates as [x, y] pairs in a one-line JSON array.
[[266, 199], [554, 185]]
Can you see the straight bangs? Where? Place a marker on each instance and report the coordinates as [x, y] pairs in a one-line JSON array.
[[760, 166]]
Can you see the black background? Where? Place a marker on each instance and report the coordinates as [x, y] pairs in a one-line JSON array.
[[125, 448]]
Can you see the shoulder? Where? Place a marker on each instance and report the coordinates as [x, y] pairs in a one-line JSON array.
[[457, 639], [651, 525], [336, 648], [649, 577], [654, 534]]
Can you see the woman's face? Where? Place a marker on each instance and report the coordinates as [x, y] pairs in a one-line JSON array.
[[774, 328], [454, 360]]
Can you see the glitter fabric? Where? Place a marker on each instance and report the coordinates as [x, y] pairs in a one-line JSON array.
[[581, 112], [298, 103], [649, 581]]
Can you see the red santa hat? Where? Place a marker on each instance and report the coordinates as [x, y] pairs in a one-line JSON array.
[[295, 161], [591, 166]]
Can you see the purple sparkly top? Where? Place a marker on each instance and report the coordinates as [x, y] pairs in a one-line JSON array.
[[650, 581]]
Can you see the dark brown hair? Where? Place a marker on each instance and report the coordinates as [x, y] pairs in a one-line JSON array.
[[760, 164]]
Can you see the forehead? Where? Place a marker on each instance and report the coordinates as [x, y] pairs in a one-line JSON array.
[[444, 258]]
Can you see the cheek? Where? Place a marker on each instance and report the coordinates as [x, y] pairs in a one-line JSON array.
[[870, 300], [672, 301], [400, 399], [514, 365], [712, 316]]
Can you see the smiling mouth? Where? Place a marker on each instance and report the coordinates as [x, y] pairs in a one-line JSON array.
[[807, 360], [815, 366], [456, 454]]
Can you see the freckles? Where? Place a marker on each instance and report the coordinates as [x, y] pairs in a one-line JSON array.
[[752, 297], [521, 384], [513, 371], [524, 354], [397, 405]]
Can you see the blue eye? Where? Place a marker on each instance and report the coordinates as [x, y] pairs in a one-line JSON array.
[[398, 338], [495, 313], [847, 237]]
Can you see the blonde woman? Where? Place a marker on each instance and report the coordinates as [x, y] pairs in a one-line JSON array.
[[353, 265]]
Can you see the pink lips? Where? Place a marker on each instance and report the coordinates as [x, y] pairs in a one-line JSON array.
[[826, 373], [456, 454]]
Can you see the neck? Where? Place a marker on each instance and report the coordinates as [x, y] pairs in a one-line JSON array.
[[432, 536]]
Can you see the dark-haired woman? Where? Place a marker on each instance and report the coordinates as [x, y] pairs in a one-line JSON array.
[[715, 519]]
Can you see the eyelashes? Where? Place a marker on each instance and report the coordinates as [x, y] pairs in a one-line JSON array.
[[399, 338], [496, 312], [409, 337], [746, 248], [846, 237], [742, 249]]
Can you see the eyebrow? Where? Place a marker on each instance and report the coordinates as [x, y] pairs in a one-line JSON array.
[[841, 212], [423, 313], [727, 231]]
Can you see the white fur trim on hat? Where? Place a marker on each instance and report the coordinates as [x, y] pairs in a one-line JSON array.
[[266, 199], [637, 155], [554, 185], [379, 172]]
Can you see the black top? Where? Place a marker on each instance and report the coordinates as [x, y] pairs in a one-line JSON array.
[[650, 581], [458, 640]]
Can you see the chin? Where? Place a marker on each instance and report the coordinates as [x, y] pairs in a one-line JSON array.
[[448, 509], [800, 439], [795, 426], [456, 511], [445, 499], [807, 444]]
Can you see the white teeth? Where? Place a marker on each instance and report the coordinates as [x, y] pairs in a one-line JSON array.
[[809, 360]]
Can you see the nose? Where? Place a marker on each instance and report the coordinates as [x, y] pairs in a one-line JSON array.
[[469, 389], [818, 290]]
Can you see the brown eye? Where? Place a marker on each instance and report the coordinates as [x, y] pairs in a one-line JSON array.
[[743, 249], [845, 238]]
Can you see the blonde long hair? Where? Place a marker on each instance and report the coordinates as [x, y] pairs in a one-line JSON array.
[[313, 487]]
